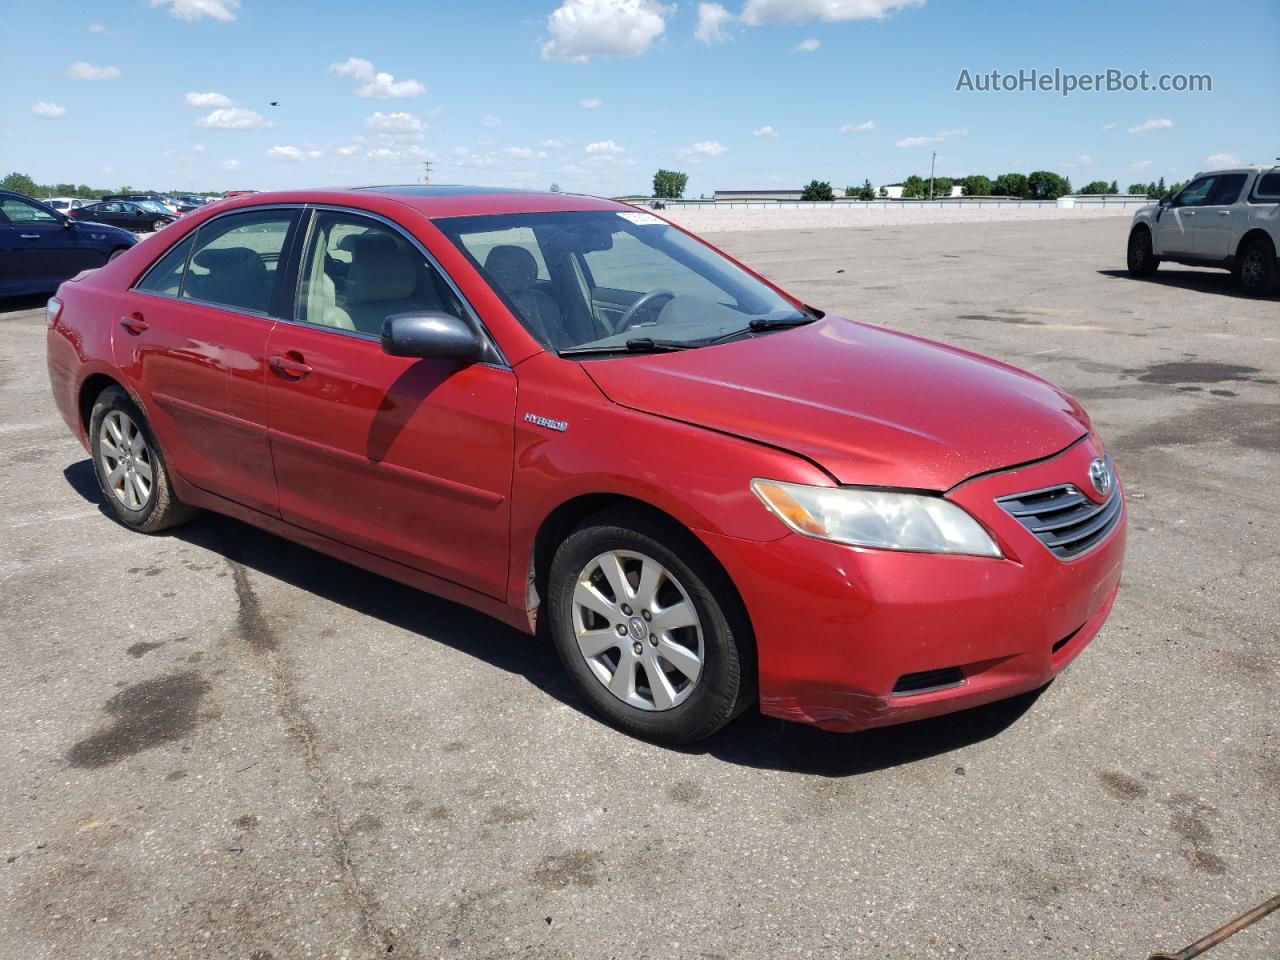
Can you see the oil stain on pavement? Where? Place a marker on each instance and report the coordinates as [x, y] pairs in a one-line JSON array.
[[147, 715]]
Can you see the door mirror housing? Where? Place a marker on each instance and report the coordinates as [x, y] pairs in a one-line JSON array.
[[431, 334]]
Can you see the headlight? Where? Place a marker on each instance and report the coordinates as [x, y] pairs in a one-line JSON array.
[[876, 518]]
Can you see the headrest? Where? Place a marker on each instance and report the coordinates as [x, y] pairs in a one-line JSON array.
[[512, 268], [380, 270], [217, 259]]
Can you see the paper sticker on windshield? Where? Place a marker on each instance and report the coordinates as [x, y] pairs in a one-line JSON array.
[[643, 219]]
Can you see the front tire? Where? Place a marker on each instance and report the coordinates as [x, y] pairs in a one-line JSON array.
[[116, 252], [1142, 261], [130, 468], [649, 629], [1257, 269]]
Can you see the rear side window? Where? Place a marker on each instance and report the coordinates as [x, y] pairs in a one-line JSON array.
[[1227, 189], [165, 277], [1268, 187], [235, 259]]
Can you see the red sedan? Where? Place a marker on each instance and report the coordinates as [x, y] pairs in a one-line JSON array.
[[586, 422]]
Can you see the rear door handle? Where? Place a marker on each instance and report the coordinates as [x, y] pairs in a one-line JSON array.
[[1224, 213], [291, 366], [134, 323], [29, 236]]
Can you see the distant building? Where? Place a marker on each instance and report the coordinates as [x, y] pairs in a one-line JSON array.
[[893, 191], [724, 196]]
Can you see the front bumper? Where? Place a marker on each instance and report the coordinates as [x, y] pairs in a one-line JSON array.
[[838, 627]]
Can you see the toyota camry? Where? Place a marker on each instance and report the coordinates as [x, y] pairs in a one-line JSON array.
[[588, 423]]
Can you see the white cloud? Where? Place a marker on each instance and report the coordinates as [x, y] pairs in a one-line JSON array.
[[399, 125], [207, 101], [289, 153], [1151, 125], [1085, 159], [712, 19], [234, 118], [230, 165], [97, 28], [590, 103], [806, 46], [554, 144], [197, 148], [224, 10], [582, 29], [765, 132], [605, 146], [910, 142], [524, 153], [486, 142], [1223, 160], [858, 127], [50, 111], [373, 85], [1140, 165], [1108, 126], [489, 120], [757, 12], [87, 71], [702, 150]]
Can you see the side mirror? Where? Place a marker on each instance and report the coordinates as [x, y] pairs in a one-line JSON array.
[[430, 334]]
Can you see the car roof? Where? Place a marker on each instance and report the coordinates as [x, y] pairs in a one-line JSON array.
[[438, 201]]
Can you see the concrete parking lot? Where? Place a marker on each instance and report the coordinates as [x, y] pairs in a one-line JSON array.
[[219, 744]]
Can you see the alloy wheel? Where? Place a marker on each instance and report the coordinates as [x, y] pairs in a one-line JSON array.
[[638, 630], [127, 464], [1251, 269]]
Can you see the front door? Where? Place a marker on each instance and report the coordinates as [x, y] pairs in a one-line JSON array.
[[1215, 221], [45, 249], [1178, 222], [407, 458], [193, 335]]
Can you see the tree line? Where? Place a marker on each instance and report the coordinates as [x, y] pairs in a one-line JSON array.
[[22, 183]]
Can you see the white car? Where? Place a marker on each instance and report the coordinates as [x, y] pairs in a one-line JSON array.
[[1227, 218], [64, 204]]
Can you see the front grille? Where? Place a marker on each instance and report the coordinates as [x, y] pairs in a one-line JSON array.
[[1064, 519]]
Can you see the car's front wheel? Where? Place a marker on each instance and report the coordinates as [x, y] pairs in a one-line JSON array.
[[649, 629], [1142, 261], [1257, 269], [130, 467], [116, 252]]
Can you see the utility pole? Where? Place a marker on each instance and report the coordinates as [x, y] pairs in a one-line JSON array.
[[932, 160], [426, 171]]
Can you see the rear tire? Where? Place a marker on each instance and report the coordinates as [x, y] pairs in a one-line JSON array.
[[130, 468], [1142, 261], [158, 226], [115, 253], [1257, 268], [678, 616]]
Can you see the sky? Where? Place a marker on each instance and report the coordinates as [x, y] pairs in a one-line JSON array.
[[595, 95]]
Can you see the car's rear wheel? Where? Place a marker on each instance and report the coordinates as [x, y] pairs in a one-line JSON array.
[[116, 252], [159, 225], [130, 467], [1257, 269], [649, 629], [1142, 260]]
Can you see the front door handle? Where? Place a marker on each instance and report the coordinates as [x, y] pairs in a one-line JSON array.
[[1224, 213], [134, 323], [29, 236], [291, 366]]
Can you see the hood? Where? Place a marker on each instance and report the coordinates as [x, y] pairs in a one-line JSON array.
[[106, 229], [869, 405]]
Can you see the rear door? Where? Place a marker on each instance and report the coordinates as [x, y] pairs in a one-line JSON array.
[[1178, 222], [1216, 220], [193, 335], [407, 458]]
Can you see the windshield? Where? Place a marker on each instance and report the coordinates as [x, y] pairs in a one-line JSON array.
[[151, 206], [588, 282]]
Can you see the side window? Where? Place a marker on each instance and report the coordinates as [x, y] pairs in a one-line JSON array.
[[1227, 190], [1268, 187], [19, 211], [235, 259], [165, 275], [1195, 193], [357, 271]]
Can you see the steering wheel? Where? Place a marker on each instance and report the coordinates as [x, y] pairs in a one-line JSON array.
[[626, 320]]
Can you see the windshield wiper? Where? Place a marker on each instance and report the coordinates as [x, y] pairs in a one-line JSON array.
[[634, 345], [761, 324]]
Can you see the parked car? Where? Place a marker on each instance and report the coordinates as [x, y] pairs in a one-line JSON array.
[[586, 422], [64, 204], [1227, 218], [142, 216], [143, 198], [40, 247]]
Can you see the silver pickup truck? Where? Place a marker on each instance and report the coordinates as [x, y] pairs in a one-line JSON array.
[[1227, 218]]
